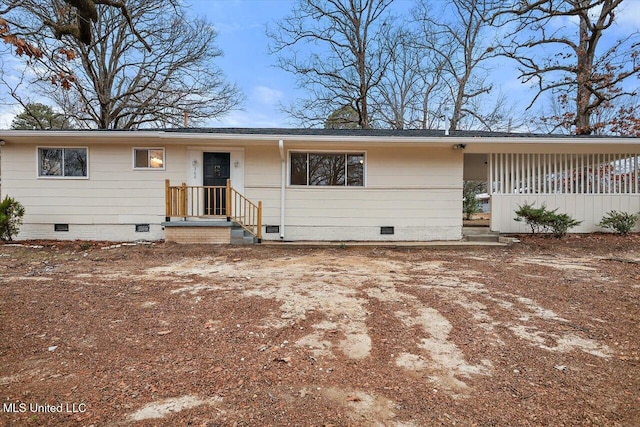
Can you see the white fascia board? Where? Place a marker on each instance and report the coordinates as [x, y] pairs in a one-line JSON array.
[[301, 139], [76, 137], [115, 137]]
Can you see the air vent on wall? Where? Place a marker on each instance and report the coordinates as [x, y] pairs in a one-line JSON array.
[[142, 228], [60, 227], [387, 230], [272, 229]]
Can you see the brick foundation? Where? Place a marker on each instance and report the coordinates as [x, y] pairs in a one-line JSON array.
[[206, 235]]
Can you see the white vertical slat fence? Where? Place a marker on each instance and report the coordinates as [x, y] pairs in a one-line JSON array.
[[524, 173]]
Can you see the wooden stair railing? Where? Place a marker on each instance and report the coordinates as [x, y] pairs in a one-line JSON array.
[[213, 201], [244, 212]]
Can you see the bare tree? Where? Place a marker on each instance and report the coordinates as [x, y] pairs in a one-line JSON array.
[[399, 100], [434, 95], [76, 20], [621, 118], [116, 83], [334, 49], [413, 93], [559, 47], [499, 113], [462, 39], [71, 17]]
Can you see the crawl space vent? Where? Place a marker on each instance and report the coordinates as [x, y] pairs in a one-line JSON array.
[[60, 227], [272, 229], [387, 230]]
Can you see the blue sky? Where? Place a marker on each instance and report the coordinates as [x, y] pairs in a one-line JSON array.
[[242, 37], [241, 26]]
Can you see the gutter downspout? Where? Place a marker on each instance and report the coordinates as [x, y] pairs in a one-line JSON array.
[[283, 180]]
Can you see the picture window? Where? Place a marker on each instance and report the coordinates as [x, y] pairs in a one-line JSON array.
[[62, 162], [327, 169]]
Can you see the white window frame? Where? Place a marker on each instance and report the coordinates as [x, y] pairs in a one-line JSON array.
[[58, 147], [338, 151], [149, 149]]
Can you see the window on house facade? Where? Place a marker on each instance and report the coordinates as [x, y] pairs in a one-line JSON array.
[[327, 169], [148, 158], [63, 162]]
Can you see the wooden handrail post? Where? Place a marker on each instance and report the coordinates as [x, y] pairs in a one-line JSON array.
[[183, 200], [229, 206], [167, 200], [259, 222]]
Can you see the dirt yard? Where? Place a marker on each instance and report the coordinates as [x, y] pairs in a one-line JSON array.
[[545, 332]]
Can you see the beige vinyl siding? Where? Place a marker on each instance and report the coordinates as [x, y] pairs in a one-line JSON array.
[[372, 207], [405, 167], [416, 190], [262, 167], [113, 194], [262, 181]]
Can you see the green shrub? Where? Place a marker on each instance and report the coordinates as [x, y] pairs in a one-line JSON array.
[[559, 224], [533, 217], [11, 213], [620, 222], [470, 205], [542, 220]]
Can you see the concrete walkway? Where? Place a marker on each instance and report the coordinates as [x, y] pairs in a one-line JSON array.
[[472, 237]]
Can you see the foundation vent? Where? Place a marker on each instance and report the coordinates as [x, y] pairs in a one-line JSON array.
[[387, 230], [142, 228]]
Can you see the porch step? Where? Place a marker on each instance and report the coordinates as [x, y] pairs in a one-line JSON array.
[[207, 232], [240, 236], [483, 238], [480, 234]]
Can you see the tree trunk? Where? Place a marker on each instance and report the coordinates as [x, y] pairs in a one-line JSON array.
[[583, 95]]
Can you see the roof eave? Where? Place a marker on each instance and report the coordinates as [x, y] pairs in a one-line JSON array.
[[112, 136]]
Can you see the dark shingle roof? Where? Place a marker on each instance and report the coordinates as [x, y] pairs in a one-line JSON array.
[[383, 133], [418, 133]]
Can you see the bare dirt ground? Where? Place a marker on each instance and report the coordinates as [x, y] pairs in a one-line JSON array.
[[545, 332], [482, 219]]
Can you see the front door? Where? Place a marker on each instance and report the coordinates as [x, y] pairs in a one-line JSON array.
[[217, 170]]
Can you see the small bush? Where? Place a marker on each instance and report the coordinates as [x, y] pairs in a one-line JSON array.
[[620, 222], [543, 220], [559, 224], [470, 205], [533, 217], [11, 213]]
